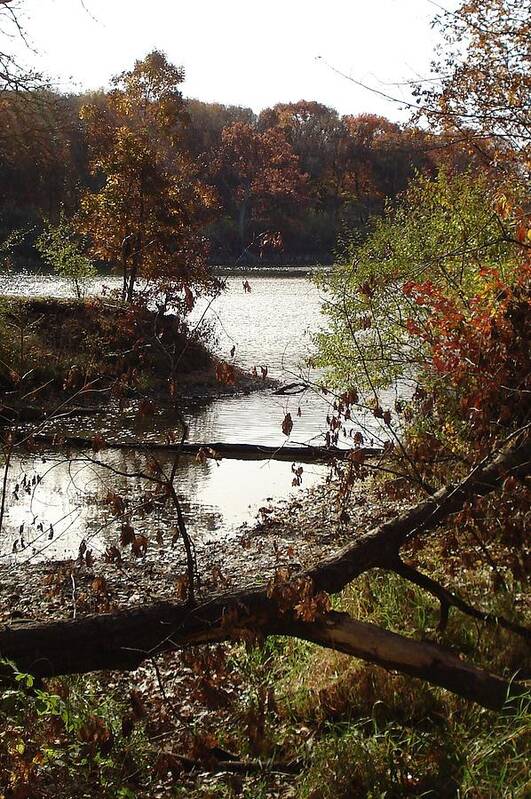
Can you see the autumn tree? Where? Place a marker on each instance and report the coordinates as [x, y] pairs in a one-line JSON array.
[[353, 163], [313, 130], [146, 217], [318, 137], [429, 317], [483, 94], [434, 298], [207, 122], [258, 171], [40, 162]]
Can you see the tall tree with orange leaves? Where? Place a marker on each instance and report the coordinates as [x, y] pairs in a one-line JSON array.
[[258, 172], [146, 218]]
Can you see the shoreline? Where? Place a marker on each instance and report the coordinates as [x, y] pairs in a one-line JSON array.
[[64, 345], [292, 534]]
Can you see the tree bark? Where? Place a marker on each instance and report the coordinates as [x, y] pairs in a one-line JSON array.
[[422, 659], [124, 640]]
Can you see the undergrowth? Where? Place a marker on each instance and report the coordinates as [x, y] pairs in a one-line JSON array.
[[53, 348], [314, 723]]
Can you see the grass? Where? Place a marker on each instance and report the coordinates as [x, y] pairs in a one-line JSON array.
[[348, 728], [393, 736], [354, 729], [362, 731], [66, 736]]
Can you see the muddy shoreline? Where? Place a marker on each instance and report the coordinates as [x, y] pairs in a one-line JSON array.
[[291, 533]]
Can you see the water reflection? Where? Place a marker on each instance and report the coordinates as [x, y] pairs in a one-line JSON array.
[[272, 327], [55, 503]]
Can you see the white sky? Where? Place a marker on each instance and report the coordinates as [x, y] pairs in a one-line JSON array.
[[244, 52]]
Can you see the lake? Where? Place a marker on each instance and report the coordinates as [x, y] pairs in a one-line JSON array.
[[60, 500]]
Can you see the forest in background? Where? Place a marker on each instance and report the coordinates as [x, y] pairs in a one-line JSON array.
[[287, 185]]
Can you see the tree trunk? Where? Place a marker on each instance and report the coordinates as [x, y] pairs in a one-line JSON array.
[[123, 640], [242, 220]]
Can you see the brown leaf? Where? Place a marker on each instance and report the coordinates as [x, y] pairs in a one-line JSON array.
[[99, 585], [218, 577], [139, 545], [182, 585], [112, 555], [225, 373], [206, 453], [98, 443], [95, 733], [127, 535], [128, 725], [188, 298], [146, 408], [137, 705], [287, 424], [116, 502]]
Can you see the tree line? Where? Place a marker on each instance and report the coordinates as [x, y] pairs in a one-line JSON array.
[[283, 185]]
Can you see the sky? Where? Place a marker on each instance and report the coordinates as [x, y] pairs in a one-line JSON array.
[[243, 52]]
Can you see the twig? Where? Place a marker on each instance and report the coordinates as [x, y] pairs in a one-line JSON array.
[[449, 599]]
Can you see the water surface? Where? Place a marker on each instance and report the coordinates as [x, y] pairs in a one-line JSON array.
[[271, 327]]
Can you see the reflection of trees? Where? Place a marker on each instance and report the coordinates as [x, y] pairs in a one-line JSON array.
[[114, 423], [57, 502]]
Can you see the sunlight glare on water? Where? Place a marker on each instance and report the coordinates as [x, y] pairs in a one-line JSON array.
[[271, 326]]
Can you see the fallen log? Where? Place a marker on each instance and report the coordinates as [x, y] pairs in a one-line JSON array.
[[300, 454], [290, 389], [122, 640], [424, 659]]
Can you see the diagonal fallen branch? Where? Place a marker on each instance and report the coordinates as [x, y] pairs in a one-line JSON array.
[[380, 546], [122, 640], [450, 600], [423, 659]]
